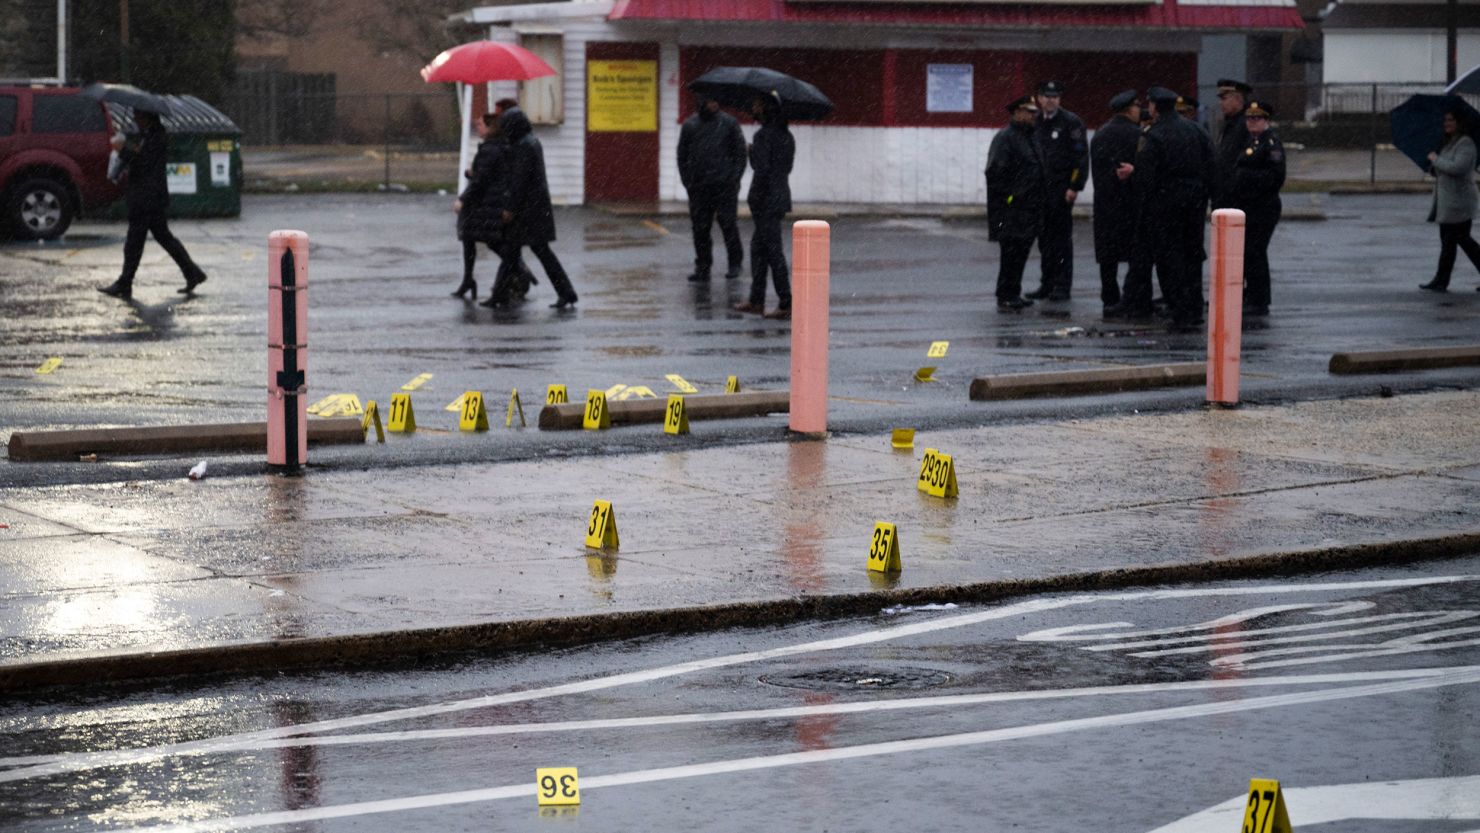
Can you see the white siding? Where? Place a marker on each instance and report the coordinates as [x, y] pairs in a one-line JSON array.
[[1375, 56]]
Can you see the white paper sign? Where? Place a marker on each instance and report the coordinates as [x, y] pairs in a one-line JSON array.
[[180, 177], [221, 169], [948, 88]]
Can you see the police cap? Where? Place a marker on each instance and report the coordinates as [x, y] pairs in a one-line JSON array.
[[1259, 108], [1024, 102], [1162, 95], [1051, 88], [1229, 85], [1122, 100], [1186, 105]]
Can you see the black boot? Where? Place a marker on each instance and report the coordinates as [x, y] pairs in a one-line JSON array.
[[468, 285]]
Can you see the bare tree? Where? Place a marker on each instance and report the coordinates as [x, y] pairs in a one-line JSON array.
[[417, 29], [262, 19]]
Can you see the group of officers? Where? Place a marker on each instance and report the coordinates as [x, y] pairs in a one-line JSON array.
[[1156, 170]]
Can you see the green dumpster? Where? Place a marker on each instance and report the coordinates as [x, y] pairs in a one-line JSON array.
[[205, 159]]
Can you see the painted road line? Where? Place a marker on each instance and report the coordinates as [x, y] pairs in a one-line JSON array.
[[90, 760], [818, 756], [1423, 799]]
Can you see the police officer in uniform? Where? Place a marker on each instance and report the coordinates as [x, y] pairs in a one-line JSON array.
[[1254, 188], [1112, 155], [1065, 148], [1174, 173], [1233, 135], [1016, 192]]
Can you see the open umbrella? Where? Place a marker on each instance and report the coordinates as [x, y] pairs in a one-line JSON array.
[[1467, 84], [129, 96], [737, 86], [482, 61], [1418, 124]]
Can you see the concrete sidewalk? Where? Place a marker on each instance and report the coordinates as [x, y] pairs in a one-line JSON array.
[[347, 567]]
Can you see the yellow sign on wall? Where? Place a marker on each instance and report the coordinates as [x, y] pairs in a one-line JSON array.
[[622, 96]]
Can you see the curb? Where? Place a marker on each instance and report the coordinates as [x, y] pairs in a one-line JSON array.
[[31, 446], [1074, 382], [357, 651], [1418, 358], [571, 416]]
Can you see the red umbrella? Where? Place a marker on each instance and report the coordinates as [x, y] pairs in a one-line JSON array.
[[482, 61]]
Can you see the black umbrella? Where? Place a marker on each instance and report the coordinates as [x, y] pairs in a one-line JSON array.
[[737, 86], [129, 96], [1418, 124], [1467, 84]]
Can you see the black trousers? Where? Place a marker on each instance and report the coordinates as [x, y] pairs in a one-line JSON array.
[[141, 224], [1010, 273], [766, 253], [1454, 236], [1259, 223], [512, 263], [1137, 294], [1178, 254], [470, 257], [1056, 244], [1110, 283], [708, 203]]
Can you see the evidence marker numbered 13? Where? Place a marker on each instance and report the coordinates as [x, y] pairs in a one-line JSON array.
[[937, 475]]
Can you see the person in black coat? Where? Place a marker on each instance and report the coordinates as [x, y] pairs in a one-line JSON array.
[[1173, 177], [1017, 188], [529, 219], [1233, 133], [1065, 147], [771, 156], [480, 206], [148, 198], [1254, 188], [1112, 156], [711, 161]]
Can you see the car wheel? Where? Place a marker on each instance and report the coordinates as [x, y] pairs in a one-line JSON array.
[[39, 209]]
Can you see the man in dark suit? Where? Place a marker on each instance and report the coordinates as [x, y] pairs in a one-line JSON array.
[[147, 195], [711, 161], [1112, 161], [1174, 172]]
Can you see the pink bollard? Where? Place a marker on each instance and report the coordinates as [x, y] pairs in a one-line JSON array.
[[287, 349], [811, 259], [1226, 306]]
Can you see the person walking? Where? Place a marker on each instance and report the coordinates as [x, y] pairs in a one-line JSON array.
[[1112, 155], [480, 206], [771, 157], [529, 219], [1455, 199], [1174, 174], [711, 161], [1065, 147], [147, 196], [1254, 189], [1017, 189]]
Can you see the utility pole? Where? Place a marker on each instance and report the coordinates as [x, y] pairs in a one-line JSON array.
[[1451, 21], [123, 40]]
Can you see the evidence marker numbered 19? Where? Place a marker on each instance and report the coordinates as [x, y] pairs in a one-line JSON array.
[[676, 415]]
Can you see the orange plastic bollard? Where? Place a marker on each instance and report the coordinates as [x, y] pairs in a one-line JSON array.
[[1226, 306], [811, 252], [287, 349]]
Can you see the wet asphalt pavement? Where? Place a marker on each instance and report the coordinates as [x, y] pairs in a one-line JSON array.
[[382, 266], [1140, 710]]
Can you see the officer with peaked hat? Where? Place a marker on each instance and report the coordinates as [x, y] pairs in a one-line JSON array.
[[1065, 146], [1233, 136], [1112, 155], [1017, 189], [1254, 188]]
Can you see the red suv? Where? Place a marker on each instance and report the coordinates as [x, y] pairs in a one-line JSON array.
[[53, 159]]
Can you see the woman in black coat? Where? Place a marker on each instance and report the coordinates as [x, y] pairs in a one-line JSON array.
[[529, 219], [771, 157], [479, 205]]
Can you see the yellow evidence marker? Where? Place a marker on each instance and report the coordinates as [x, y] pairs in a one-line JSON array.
[[601, 530], [417, 382], [49, 365], [556, 395], [474, 415], [1265, 812], [925, 374], [402, 419], [732, 384], [514, 406], [902, 438], [937, 475], [676, 418], [681, 383], [456, 404], [337, 404], [638, 391], [372, 416], [938, 349], [558, 785], [597, 417], [883, 553]]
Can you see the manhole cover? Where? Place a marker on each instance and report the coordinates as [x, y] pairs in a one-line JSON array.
[[860, 679]]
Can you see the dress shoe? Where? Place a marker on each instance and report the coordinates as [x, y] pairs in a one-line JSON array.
[[746, 306], [568, 301], [465, 288], [1013, 303], [1038, 294], [1434, 286], [118, 289], [191, 282], [1059, 295], [1256, 310], [732, 273], [1127, 312], [779, 314], [699, 277]]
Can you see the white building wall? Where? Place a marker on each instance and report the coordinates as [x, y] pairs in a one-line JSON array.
[[1378, 56]]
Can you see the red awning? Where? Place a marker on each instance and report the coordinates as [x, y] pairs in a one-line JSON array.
[[1165, 15]]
